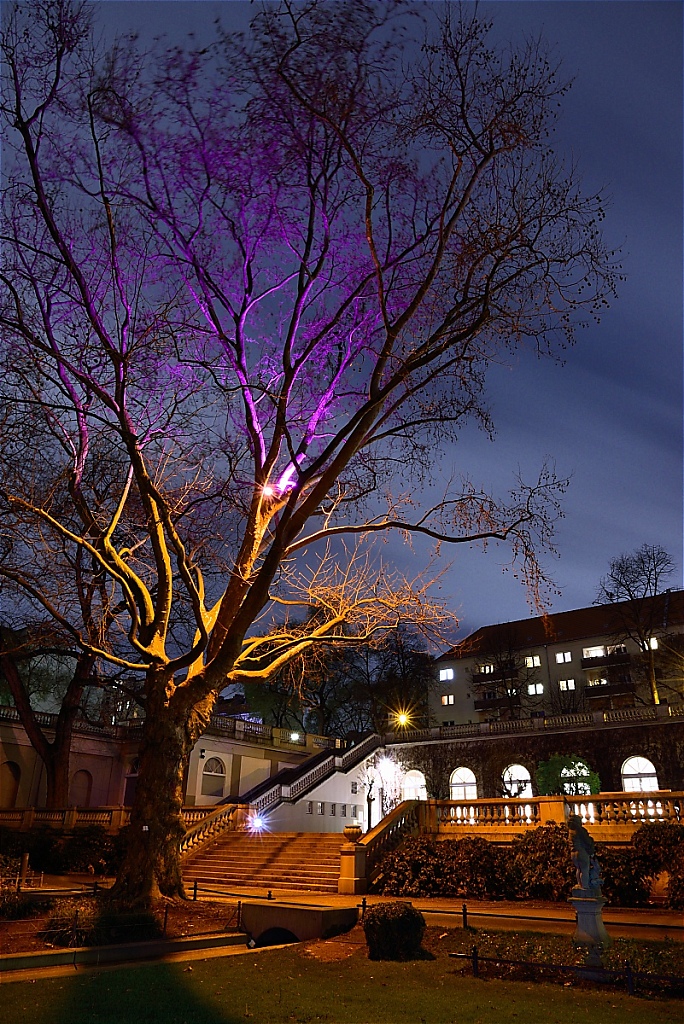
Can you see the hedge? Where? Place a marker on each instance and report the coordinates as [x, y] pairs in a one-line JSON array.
[[535, 866]]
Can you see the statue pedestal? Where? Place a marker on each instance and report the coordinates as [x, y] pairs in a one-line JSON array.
[[590, 930]]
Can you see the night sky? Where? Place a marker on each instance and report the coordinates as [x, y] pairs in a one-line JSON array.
[[612, 415]]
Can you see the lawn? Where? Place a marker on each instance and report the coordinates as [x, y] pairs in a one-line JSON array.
[[331, 982]]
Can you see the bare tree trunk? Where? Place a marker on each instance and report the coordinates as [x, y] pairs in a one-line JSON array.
[[152, 865]]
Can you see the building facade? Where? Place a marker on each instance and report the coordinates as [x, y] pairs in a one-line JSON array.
[[599, 658]]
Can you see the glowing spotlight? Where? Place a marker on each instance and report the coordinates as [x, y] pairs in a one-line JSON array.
[[402, 719], [268, 490], [294, 737], [257, 823]]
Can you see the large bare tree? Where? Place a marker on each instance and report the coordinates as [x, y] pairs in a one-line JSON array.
[[248, 292]]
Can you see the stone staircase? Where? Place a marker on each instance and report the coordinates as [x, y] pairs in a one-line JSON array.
[[307, 861]]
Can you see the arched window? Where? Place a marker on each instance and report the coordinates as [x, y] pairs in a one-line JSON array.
[[213, 777], [516, 781], [639, 775], [463, 784], [413, 786], [575, 780], [80, 789], [10, 774]]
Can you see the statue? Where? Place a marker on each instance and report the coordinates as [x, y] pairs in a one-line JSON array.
[[584, 857]]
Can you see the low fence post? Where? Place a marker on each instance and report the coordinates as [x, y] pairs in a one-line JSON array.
[[476, 965]]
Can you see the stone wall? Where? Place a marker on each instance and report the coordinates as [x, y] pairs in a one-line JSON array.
[[604, 749]]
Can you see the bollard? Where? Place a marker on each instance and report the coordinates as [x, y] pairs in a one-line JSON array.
[[464, 911], [166, 918], [23, 871], [269, 895], [630, 977], [194, 890], [476, 966]]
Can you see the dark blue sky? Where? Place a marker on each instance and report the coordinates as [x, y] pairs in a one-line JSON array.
[[612, 415]]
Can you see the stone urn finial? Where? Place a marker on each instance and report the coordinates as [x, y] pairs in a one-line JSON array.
[[352, 833]]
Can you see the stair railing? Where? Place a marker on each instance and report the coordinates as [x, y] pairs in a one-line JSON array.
[[403, 821], [222, 820]]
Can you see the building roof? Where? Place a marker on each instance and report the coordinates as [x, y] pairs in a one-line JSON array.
[[666, 611]]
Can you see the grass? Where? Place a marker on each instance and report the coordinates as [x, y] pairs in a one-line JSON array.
[[292, 986]]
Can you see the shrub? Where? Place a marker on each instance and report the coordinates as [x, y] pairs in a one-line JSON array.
[[540, 865], [624, 883], [91, 922], [675, 888], [394, 931], [15, 905], [473, 867], [61, 852]]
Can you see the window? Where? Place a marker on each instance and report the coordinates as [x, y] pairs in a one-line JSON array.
[[413, 786], [355, 811], [653, 644], [463, 784], [563, 656], [532, 661], [446, 673], [485, 670], [447, 698], [213, 777], [617, 649], [309, 806], [321, 808], [594, 652], [599, 681], [354, 787], [516, 781], [566, 684], [575, 780], [535, 688], [343, 810], [639, 775], [333, 810]]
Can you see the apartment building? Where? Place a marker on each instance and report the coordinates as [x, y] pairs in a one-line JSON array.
[[599, 658]]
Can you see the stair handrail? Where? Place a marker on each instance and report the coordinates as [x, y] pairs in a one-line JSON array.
[[221, 820], [403, 821], [361, 750]]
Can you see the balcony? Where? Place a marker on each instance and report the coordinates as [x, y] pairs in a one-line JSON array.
[[607, 660], [615, 689], [497, 703]]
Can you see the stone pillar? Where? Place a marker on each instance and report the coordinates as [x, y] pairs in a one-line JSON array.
[[590, 930], [551, 808], [352, 881]]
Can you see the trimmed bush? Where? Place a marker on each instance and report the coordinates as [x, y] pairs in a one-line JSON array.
[[91, 922], [394, 931], [425, 867], [539, 864]]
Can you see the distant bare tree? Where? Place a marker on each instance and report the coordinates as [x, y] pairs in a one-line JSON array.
[[634, 584]]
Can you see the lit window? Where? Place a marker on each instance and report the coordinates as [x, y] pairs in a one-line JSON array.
[[653, 644], [566, 684], [532, 661], [639, 775], [594, 652], [485, 670], [617, 649], [535, 688], [563, 656], [599, 681], [446, 673], [447, 698]]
